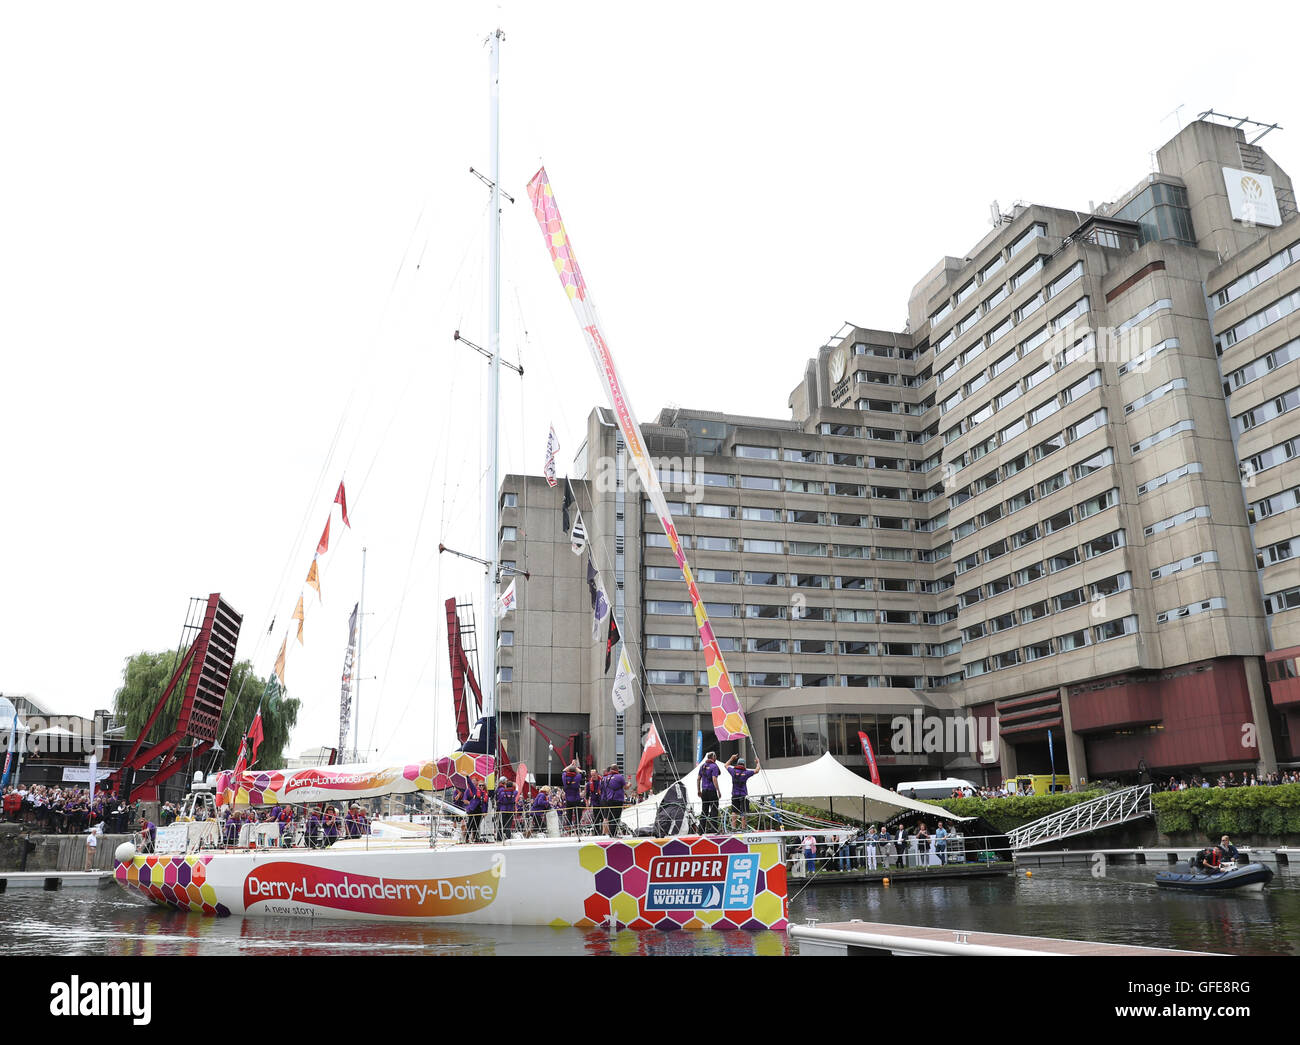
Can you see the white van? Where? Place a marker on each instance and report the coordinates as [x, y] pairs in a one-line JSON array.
[[924, 790]]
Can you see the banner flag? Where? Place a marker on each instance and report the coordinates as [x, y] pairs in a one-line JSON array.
[[728, 716], [322, 546], [341, 499], [564, 508], [345, 695], [622, 694], [870, 756], [279, 660], [552, 448], [313, 579], [10, 753]]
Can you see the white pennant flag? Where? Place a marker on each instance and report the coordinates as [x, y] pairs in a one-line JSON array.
[[552, 448], [506, 601], [622, 694]]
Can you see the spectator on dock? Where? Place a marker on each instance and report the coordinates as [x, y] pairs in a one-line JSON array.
[[810, 854], [941, 843]]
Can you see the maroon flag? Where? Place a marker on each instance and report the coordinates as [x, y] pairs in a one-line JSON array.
[[323, 545], [611, 641], [341, 499]]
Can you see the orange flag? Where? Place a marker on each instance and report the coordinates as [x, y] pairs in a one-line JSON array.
[[279, 661], [324, 544], [297, 615], [313, 578]]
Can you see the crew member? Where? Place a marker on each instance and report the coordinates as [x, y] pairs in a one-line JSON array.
[[571, 781], [613, 785], [706, 786], [740, 789]]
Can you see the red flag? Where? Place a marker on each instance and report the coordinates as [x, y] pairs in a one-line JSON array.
[[341, 499], [645, 770], [870, 756], [324, 544], [255, 735]]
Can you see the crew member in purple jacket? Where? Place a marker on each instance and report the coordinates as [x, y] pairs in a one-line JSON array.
[[740, 789], [613, 785], [148, 834], [706, 786], [475, 807], [571, 780], [538, 810], [507, 804]]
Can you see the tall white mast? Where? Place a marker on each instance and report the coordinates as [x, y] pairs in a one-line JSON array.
[[356, 666], [492, 549]]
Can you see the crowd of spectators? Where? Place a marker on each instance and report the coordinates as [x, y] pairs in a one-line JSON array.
[[67, 810], [1231, 779]]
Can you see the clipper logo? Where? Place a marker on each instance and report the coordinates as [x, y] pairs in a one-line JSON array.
[[702, 883], [394, 897]]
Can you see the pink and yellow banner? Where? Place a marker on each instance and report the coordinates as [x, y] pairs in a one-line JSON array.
[[728, 717], [350, 783]]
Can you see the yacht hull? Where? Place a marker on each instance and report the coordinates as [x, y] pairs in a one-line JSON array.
[[690, 882]]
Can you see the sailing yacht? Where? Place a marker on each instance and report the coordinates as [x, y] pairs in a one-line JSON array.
[[681, 881]]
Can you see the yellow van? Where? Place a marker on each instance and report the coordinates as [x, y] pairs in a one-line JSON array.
[[1036, 784]]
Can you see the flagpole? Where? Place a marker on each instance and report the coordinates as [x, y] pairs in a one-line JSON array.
[[492, 548]]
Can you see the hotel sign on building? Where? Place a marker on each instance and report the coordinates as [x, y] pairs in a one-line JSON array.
[[1251, 197]]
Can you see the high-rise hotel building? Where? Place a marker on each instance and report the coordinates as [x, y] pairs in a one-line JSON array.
[[1062, 499]]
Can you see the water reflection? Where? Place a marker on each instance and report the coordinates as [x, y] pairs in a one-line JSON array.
[[1122, 907]]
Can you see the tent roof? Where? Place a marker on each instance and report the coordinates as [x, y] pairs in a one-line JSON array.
[[815, 783]]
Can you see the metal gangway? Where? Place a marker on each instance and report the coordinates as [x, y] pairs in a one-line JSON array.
[[1118, 807]]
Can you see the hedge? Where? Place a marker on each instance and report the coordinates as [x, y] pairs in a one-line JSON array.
[[1215, 811], [1011, 812]]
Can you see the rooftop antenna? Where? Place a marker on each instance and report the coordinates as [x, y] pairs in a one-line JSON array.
[[1239, 121], [1176, 113]]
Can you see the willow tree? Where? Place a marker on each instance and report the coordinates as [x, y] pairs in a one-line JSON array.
[[146, 675]]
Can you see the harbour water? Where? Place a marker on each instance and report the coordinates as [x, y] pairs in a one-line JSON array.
[[1065, 902]]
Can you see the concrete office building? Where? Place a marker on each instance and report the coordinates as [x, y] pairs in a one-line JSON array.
[[1056, 501]]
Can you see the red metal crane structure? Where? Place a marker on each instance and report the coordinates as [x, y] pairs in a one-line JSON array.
[[209, 660]]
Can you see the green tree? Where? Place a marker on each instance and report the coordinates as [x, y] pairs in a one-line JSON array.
[[146, 676]]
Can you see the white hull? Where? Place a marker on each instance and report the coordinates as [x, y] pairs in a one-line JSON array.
[[692, 882]]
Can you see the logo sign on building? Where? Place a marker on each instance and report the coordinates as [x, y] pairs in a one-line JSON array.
[[838, 370], [1251, 197], [702, 883]]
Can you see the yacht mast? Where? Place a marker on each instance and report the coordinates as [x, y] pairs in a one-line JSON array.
[[492, 547]]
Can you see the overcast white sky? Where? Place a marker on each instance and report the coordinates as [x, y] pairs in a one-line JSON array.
[[229, 231]]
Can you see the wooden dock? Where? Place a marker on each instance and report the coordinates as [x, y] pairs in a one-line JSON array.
[[880, 938]]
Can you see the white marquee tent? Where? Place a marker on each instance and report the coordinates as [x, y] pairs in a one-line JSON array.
[[819, 783]]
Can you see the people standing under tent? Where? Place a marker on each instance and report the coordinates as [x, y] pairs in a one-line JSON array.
[[740, 789], [845, 840], [571, 782], [810, 854], [900, 846], [614, 787], [706, 787], [941, 843], [873, 836]]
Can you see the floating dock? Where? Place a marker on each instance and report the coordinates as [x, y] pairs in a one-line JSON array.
[[857, 938], [54, 880]]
